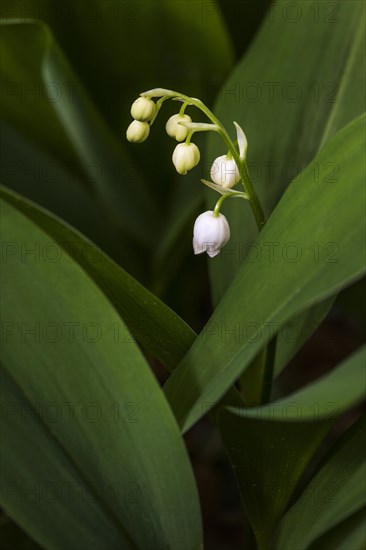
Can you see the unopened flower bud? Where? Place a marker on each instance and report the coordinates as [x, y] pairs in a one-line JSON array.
[[224, 172], [210, 233], [138, 131], [175, 130], [185, 157], [143, 109]]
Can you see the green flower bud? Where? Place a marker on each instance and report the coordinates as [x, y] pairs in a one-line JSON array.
[[143, 109], [175, 130], [138, 131]]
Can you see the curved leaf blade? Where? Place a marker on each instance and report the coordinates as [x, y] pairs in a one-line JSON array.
[[159, 330], [86, 141], [48, 497], [269, 446], [335, 493], [129, 430], [350, 533]]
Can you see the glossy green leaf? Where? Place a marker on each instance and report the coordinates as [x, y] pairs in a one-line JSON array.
[[67, 121], [335, 494], [159, 330], [269, 446], [42, 488], [265, 296], [289, 109], [66, 349], [349, 534]]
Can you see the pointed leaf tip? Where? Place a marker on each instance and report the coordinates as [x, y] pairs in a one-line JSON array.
[[242, 141]]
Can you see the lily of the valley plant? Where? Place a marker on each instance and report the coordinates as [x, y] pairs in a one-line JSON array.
[[211, 229], [102, 373]]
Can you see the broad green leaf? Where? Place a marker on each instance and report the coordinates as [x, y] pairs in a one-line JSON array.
[[349, 534], [270, 446], [289, 108], [65, 346], [159, 330], [265, 296], [42, 488], [335, 494], [71, 115]]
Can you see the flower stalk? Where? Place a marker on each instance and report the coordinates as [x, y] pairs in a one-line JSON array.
[[211, 230], [240, 162]]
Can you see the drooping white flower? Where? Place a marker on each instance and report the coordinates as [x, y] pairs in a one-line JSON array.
[[174, 129], [210, 233], [224, 172], [143, 109], [185, 157], [138, 131]]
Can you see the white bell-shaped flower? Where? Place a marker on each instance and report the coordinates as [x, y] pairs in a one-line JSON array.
[[210, 233], [224, 172], [175, 130], [138, 131], [185, 157], [143, 109]]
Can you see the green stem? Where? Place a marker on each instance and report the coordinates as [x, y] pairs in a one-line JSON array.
[[189, 137], [228, 195], [257, 212], [216, 211], [183, 108], [256, 205], [260, 220], [242, 167]]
